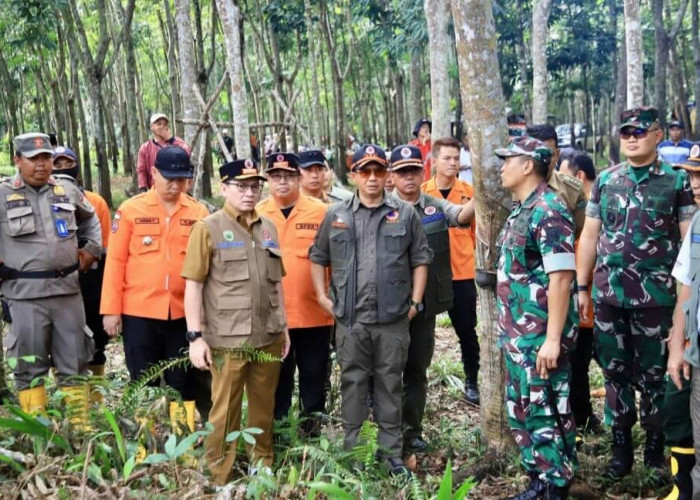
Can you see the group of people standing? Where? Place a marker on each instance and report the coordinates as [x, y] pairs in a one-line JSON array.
[[585, 270]]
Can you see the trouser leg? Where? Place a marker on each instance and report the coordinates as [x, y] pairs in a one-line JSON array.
[[142, 345], [72, 347], [285, 387], [181, 378], [91, 291], [312, 358], [517, 403], [580, 386], [415, 374], [29, 335], [463, 317], [676, 414], [695, 415]]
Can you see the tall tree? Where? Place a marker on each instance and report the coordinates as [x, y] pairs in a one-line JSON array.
[[437, 14], [230, 16], [635, 54], [540, 20], [696, 64], [188, 70], [484, 112]]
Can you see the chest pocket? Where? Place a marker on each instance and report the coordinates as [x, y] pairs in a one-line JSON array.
[[515, 238], [20, 221], [303, 242], [274, 264], [66, 213], [394, 237], [340, 251], [146, 238], [658, 206], [436, 232], [235, 264], [614, 207]]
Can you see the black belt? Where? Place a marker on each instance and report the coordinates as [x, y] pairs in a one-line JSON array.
[[7, 273]]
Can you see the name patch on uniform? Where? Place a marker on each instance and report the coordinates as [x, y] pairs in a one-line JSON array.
[[147, 220], [59, 199], [230, 244], [306, 225], [187, 222], [15, 197], [696, 238], [16, 203], [433, 218], [392, 217], [340, 224]]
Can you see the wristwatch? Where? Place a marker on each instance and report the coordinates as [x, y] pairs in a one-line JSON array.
[[420, 307], [582, 288], [192, 336]]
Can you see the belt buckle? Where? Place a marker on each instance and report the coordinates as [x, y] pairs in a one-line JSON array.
[[59, 273]]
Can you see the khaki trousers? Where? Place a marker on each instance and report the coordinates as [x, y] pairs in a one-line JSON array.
[[695, 415], [228, 382]]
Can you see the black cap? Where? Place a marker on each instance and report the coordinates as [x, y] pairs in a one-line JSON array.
[[311, 157], [173, 162], [420, 123], [676, 123], [369, 153], [282, 161], [406, 156], [240, 170]]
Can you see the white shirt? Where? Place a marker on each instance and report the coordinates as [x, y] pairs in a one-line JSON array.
[[681, 269]]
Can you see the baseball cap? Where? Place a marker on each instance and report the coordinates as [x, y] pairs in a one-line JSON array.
[[643, 117], [676, 123], [405, 156], [692, 164], [173, 162], [282, 161], [420, 123], [240, 170], [369, 153], [157, 116], [32, 144], [64, 152], [311, 157], [526, 146]]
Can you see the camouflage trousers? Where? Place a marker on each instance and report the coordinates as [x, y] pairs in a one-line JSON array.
[[543, 450], [630, 347]]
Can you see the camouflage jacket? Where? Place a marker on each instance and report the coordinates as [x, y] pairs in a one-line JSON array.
[[537, 239], [639, 237]]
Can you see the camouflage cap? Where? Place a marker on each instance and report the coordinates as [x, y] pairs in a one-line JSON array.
[[526, 146], [33, 144], [692, 164], [643, 117]]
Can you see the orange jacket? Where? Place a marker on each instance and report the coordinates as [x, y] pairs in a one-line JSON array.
[[426, 153], [462, 239], [102, 212], [146, 251], [296, 234]]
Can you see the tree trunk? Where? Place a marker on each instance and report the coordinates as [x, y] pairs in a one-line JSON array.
[[230, 16], [484, 112], [188, 70], [696, 64], [522, 55], [635, 54], [416, 83], [315, 91], [540, 19], [437, 14], [661, 60], [172, 43], [619, 69]]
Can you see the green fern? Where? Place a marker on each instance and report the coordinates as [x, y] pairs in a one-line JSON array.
[[245, 352]]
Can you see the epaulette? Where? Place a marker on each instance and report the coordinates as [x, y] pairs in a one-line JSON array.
[[573, 182]]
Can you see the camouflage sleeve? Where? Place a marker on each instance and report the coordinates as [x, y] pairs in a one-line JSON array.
[[685, 201], [593, 208], [319, 253], [555, 241]]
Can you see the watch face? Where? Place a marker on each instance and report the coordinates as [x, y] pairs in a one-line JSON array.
[[192, 336]]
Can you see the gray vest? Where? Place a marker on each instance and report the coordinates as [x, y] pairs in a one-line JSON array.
[[690, 308]]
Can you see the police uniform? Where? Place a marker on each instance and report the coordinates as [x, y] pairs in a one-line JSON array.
[[537, 239], [371, 252], [39, 232], [309, 325], [241, 268], [436, 216], [142, 281], [633, 290]]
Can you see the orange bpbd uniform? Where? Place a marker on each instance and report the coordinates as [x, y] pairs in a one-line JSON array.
[[102, 212], [296, 234], [462, 239], [426, 154], [145, 256]]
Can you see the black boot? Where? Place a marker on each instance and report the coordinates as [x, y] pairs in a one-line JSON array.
[[534, 490], [471, 393], [552, 492], [654, 451], [682, 462], [622, 454]]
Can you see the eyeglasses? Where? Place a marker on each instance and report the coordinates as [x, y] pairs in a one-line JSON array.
[[366, 173], [279, 177], [638, 133], [242, 188]]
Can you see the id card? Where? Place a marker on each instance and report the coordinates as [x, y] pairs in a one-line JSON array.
[[62, 228]]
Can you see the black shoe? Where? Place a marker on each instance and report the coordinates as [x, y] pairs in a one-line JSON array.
[[622, 454], [415, 444], [471, 393], [398, 468], [654, 451], [534, 490]]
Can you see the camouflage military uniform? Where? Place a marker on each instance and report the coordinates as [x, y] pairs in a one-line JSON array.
[[538, 239], [633, 290]]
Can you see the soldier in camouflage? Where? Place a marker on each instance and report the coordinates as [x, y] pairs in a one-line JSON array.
[[537, 319], [637, 212]]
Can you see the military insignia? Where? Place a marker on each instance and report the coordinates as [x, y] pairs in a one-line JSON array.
[[369, 150], [58, 190], [248, 163], [430, 210], [266, 235], [280, 157], [405, 153], [15, 197], [115, 226], [392, 217], [572, 181], [17, 183], [228, 235], [38, 142], [339, 224], [695, 151], [147, 240]]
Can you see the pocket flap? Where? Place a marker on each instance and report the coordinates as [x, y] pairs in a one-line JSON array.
[[394, 230], [274, 300], [276, 252], [229, 254], [302, 252], [13, 213], [235, 302], [64, 206], [146, 229]]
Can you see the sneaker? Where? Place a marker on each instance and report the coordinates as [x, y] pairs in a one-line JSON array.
[[415, 444]]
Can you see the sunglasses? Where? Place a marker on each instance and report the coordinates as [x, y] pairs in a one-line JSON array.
[[638, 133], [366, 173]]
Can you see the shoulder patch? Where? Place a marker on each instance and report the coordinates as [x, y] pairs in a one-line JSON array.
[[571, 181]]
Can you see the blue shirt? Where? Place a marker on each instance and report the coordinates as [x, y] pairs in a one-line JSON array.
[[675, 153]]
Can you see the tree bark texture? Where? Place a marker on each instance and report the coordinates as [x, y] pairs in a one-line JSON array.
[[696, 64], [635, 54], [540, 20], [437, 14], [416, 83], [188, 69], [484, 113]]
